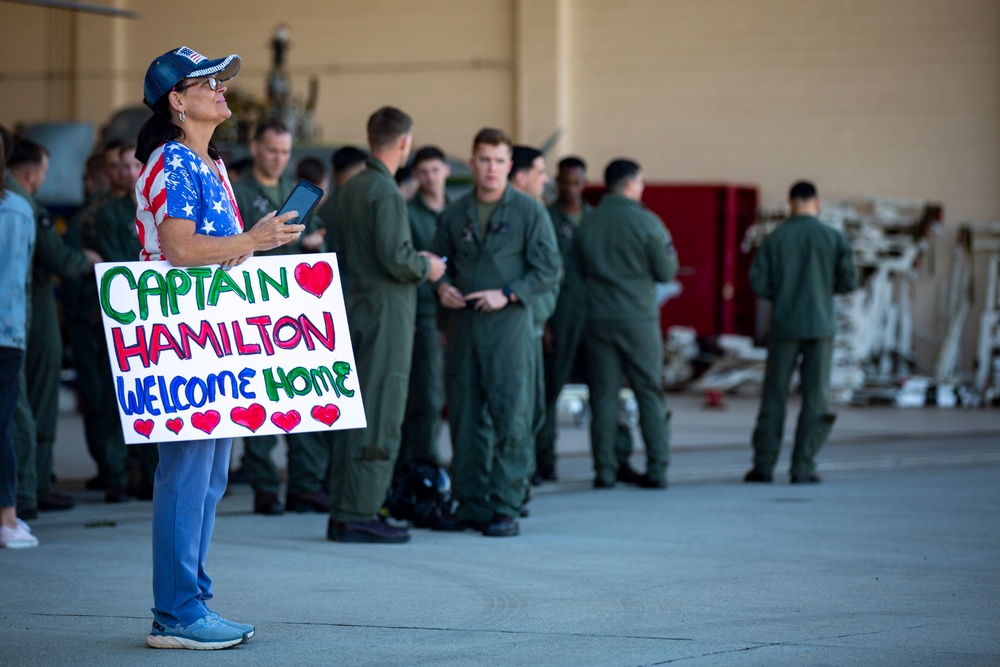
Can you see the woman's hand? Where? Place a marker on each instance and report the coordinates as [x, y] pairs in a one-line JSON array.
[[271, 231], [236, 261]]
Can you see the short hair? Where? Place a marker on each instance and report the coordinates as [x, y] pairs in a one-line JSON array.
[[619, 172], [426, 154], [94, 167], [572, 162], [404, 174], [240, 167], [386, 126], [112, 146], [311, 169], [26, 153], [491, 136], [522, 157], [270, 125], [347, 157], [127, 147], [802, 191]]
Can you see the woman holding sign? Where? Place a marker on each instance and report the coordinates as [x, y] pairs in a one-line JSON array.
[[187, 215]]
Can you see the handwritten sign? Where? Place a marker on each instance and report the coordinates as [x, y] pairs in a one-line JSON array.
[[199, 353]]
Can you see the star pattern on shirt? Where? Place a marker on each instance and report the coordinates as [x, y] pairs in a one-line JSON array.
[[194, 192]]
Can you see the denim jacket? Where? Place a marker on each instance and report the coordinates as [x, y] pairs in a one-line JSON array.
[[17, 236]]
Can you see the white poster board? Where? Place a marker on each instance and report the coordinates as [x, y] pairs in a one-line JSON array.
[[205, 352]]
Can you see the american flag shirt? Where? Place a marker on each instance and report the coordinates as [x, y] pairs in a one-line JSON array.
[[176, 183]]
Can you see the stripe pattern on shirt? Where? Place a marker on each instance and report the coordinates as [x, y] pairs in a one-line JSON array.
[[176, 183]]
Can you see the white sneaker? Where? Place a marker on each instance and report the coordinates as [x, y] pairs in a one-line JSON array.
[[17, 538]]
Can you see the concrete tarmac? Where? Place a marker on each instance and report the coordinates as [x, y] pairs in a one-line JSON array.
[[893, 560]]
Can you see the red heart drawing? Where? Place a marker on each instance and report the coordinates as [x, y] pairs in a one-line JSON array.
[[205, 421], [252, 417], [286, 421], [143, 427], [175, 425], [314, 279], [325, 414]]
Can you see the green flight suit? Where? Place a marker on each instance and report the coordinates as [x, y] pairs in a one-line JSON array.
[[43, 359], [566, 327], [489, 367], [542, 308], [117, 240], [334, 242], [308, 453], [798, 268], [81, 308], [624, 250], [381, 311], [422, 423]]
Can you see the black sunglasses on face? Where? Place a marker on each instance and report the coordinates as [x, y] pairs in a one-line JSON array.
[[212, 82]]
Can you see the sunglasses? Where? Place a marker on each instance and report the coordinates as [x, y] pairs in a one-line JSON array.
[[212, 82]]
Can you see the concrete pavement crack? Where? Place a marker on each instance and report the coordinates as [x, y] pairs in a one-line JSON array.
[[708, 655], [802, 642], [493, 631]]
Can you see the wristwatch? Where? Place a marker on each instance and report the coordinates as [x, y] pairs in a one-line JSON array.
[[507, 292]]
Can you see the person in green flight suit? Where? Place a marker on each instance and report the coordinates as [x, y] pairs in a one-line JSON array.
[[528, 175], [381, 311], [406, 181], [115, 237], [563, 341], [502, 257], [38, 409], [347, 162], [422, 423], [624, 250], [81, 310], [564, 330], [798, 268], [258, 193]]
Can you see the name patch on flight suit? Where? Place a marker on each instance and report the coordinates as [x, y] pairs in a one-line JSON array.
[[468, 235], [261, 203], [498, 228]]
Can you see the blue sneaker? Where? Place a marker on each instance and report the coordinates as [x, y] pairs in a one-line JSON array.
[[205, 634], [247, 630]]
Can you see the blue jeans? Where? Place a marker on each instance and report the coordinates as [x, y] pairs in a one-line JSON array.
[[10, 368], [190, 479]]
